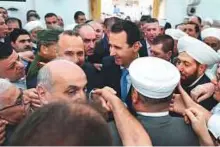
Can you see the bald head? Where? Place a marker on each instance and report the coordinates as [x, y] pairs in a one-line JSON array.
[[89, 38], [61, 80]]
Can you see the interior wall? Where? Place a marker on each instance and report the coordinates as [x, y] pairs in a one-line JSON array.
[[64, 8], [175, 10]]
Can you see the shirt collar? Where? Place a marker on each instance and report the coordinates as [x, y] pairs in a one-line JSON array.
[[196, 81], [156, 114]]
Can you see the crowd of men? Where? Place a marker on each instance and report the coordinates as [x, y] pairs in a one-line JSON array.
[[107, 83]]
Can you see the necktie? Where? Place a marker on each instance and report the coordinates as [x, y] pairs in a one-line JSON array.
[[123, 83]]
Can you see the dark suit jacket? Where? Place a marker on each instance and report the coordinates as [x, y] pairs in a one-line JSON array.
[[111, 76], [208, 103], [143, 50], [93, 76], [163, 131]]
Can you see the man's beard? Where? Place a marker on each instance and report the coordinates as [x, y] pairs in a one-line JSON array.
[[192, 78]]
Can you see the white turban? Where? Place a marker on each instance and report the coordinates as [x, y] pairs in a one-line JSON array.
[[176, 34], [211, 32], [154, 77], [198, 50], [33, 25]]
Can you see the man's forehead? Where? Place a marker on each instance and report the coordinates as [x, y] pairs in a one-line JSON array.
[[71, 40], [23, 37]]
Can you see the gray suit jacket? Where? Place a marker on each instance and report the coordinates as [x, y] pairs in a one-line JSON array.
[[163, 131]]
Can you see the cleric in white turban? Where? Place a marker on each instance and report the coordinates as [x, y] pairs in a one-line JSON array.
[[154, 77], [211, 36], [33, 27], [194, 58]]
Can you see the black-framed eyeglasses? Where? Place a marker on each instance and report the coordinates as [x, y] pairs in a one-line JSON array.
[[19, 101]]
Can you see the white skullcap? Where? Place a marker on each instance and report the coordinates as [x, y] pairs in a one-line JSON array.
[[176, 34], [154, 77], [198, 50], [210, 32], [33, 25], [214, 125]]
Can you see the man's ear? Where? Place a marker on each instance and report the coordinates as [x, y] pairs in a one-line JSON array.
[[169, 55], [136, 46], [202, 68], [41, 91], [13, 44], [43, 49], [134, 96]]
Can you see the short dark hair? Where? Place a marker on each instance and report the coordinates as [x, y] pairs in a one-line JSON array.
[[152, 20], [109, 22], [77, 14], [62, 124], [199, 19], [49, 15], [196, 26], [33, 15], [5, 50], [145, 18], [130, 28], [167, 42], [167, 26], [14, 19], [16, 33]]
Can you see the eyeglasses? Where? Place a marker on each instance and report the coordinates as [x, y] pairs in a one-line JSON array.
[[19, 101]]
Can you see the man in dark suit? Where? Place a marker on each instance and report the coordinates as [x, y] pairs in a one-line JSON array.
[[124, 47], [71, 47]]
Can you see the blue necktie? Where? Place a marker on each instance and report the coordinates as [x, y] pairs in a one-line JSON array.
[[124, 83]]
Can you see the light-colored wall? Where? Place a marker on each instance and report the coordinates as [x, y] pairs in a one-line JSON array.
[[64, 8], [175, 10]]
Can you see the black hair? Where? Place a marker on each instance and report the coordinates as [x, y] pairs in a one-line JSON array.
[[49, 15], [16, 33], [196, 26], [167, 42], [130, 28], [77, 14], [145, 18]]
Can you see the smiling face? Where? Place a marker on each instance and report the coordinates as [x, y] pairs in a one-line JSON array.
[[120, 49]]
